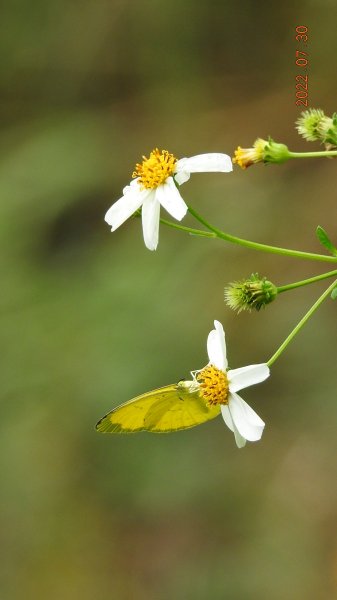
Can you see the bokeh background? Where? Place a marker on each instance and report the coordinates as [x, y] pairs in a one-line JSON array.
[[90, 319]]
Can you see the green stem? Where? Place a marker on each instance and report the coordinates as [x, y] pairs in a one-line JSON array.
[[318, 154], [291, 286], [301, 323], [198, 232], [256, 246]]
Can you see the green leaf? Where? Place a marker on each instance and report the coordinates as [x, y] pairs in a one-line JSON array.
[[334, 293], [325, 240]]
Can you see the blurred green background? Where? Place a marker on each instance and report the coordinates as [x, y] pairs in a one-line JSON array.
[[90, 319]]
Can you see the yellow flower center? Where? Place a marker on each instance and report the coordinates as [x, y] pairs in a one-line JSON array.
[[245, 157], [214, 387], [153, 171]]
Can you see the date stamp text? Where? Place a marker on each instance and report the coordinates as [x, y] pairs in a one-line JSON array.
[[302, 63]]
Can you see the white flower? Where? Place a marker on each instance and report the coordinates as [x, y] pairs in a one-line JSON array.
[[217, 385], [154, 185]]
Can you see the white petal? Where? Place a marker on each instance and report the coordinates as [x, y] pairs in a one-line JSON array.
[[216, 347], [240, 441], [169, 197], [182, 177], [133, 185], [245, 419], [246, 376], [227, 416], [124, 208], [150, 221], [205, 163]]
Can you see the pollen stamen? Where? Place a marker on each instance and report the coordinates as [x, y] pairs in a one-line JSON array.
[[153, 171], [213, 385]]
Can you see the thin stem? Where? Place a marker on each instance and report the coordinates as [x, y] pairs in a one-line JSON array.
[[198, 232], [301, 323], [291, 286], [317, 154], [257, 246]]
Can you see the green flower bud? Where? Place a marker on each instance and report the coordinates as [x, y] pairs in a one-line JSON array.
[[248, 294]]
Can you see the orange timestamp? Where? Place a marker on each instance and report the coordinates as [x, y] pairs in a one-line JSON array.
[[302, 62]]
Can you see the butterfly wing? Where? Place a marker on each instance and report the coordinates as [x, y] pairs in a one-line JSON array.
[[166, 409]]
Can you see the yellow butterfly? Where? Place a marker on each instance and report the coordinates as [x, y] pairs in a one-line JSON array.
[[170, 408]]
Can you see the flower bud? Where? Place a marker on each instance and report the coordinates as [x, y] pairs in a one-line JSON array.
[[252, 293], [262, 151]]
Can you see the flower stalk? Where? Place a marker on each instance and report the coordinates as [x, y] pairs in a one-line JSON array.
[[256, 245], [297, 284], [301, 323], [318, 154]]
